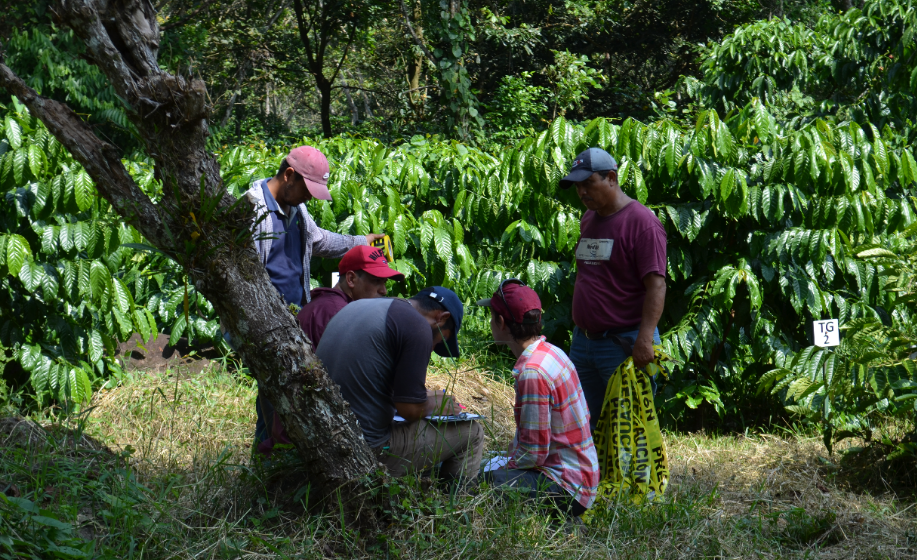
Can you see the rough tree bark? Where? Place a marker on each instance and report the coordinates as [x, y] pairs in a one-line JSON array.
[[201, 226]]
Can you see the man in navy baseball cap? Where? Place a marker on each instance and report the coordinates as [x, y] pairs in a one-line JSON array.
[[586, 163], [446, 299]]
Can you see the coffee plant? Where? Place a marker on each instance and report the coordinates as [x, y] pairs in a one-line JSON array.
[[787, 196], [71, 284]]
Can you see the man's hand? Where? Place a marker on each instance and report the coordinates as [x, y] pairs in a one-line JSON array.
[[643, 352], [441, 404], [372, 237]]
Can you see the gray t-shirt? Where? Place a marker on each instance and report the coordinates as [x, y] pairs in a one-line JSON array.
[[378, 351]]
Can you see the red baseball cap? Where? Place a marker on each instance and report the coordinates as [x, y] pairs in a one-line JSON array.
[[519, 300], [370, 260], [313, 166]]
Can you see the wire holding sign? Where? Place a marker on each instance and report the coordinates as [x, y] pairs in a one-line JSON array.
[[827, 333]]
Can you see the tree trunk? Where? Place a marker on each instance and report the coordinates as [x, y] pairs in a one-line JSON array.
[[354, 112], [213, 243], [415, 66], [324, 91], [367, 110]]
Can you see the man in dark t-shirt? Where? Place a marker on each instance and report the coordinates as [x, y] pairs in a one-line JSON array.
[[363, 273], [620, 277], [378, 350]]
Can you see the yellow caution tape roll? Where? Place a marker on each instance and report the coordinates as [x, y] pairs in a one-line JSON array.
[[386, 245], [632, 457]]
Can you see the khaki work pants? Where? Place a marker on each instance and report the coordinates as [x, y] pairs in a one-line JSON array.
[[420, 445]]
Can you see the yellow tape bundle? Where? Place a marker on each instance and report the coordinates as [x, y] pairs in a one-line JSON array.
[[386, 245], [628, 440]]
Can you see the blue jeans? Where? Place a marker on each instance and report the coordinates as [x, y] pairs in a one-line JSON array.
[[595, 362], [536, 486], [263, 408], [265, 412]]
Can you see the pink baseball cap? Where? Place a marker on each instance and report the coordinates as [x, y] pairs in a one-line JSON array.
[[313, 166]]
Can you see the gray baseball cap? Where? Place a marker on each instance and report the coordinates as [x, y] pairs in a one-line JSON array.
[[587, 163]]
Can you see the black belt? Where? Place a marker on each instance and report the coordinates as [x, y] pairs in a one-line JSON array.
[[592, 335], [612, 334]]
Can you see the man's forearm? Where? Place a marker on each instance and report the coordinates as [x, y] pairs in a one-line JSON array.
[[652, 308]]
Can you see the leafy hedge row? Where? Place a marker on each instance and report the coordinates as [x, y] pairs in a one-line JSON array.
[[71, 285], [775, 218]]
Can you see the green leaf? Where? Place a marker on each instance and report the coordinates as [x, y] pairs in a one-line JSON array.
[[120, 296], [51, 522], [13, 132], [17, 252], [30, 357], [19, 161], [81, 233], [907, 172], [83, 190], [99, 279], [66, 237], [36, 158], [50, 283], [443, 242], [124, 322], [96, 346], [178, 329], [640, 184], [727, 184], [41, 374]]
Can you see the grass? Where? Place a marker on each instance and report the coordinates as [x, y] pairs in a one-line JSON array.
[[159, 467]]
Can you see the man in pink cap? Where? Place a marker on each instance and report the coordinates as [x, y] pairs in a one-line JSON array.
[[552, 458], [286, 236]]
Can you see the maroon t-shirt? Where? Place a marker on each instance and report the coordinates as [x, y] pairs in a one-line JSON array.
[[613, 256], [314, 316]]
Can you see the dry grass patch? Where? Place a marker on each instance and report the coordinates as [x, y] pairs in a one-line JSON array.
[[791, 484], [730, 497], [171, 420], [481, 390]]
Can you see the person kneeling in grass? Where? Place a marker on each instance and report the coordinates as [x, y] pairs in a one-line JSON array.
[[552, 457], [377, 350]]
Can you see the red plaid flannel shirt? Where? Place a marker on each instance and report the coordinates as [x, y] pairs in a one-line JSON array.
[[552, 422]]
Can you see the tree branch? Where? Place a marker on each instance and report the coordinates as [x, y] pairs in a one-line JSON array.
[[417, 41], [353, 34], [100, 159]]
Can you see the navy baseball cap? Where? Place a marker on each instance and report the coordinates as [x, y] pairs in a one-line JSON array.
[[587, 163], [447, 298]]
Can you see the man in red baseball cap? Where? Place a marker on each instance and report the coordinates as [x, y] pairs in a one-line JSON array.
[[286, 237], [552, 457], [363, 274]]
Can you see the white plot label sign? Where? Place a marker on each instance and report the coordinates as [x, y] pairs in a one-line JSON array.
[[827, 333]]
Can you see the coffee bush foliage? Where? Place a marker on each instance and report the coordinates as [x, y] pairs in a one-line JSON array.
[[71, 283], [777, 214]]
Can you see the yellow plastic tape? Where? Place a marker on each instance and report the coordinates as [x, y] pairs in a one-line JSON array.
[[628, 440], [386, 245]]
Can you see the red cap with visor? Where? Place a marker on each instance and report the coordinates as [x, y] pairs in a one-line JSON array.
[[370, 260], [512, 301]]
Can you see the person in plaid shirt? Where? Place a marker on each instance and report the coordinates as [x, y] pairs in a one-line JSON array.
[[552, 457]]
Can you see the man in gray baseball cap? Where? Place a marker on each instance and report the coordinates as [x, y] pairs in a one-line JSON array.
[[588, 162], [619, 292]]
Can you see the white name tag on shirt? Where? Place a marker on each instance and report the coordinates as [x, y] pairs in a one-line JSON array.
[[594, 249]]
